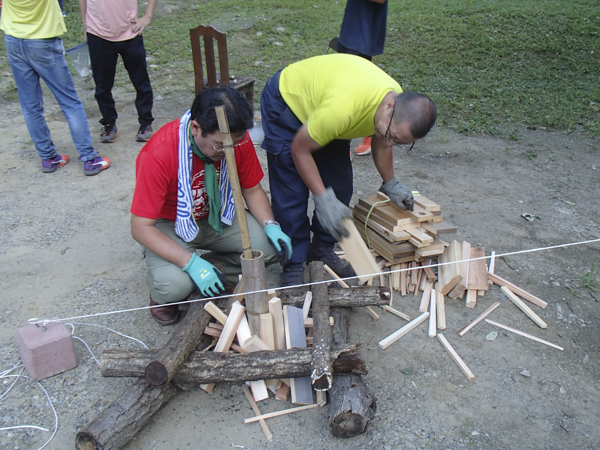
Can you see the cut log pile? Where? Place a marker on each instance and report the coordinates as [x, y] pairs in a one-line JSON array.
[[399, 235]]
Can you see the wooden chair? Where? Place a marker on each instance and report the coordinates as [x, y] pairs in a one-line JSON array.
[[244, 85]]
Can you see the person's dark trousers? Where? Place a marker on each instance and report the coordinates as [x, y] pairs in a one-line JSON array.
[[104, 55], [289, 194], [342, 49]]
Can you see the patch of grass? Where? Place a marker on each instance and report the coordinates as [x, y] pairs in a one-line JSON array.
[[490, 65], [589, 280], [529, 154]]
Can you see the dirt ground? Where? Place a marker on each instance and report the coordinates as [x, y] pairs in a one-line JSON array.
[[67, 251]]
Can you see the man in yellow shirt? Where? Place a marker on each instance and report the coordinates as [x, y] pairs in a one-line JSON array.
[[310, 111], [34, 50]]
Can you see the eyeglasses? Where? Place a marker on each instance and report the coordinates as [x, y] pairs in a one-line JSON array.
[[237, 144], [387, 132]]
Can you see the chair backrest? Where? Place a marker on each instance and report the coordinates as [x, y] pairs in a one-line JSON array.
[[209, 34]]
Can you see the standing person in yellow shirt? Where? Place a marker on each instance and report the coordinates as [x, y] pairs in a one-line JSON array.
[[35, 50]]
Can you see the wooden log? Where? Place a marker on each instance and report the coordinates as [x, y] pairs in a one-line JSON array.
[[124, 417], [321, 375], [464, 330], [455, 357], [523, 307], [351, 405], [517, 290], [210, 367], [357, 296], [183, 340], [527, 335]]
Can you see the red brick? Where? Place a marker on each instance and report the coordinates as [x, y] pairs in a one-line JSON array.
[[48, 352]]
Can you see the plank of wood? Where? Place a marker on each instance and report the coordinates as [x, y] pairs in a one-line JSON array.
[[426, 204], [214, 311], [440, 303], [449, 271], [396, 312], [429, 273], [464, 330], [521, 333], [389, 235], [243, 331], [230, 327], [280, 413], [523, 307], [460, 289], [321, 398], [309, 323], [426, 297], [517, 290], [418, 213], [492, 262], [295, 337], [457, 359], [276, 312], [385, 343], [388, 209], [267, 334], [403, 279], [256, 410], [420, 235], [477, 270], [357, 253], [471, 300], [307, 303], [283, 392], [439, 226], [414, 272], [432, 315], [362, 212], [210, 331], [419, 276], [271, 293]]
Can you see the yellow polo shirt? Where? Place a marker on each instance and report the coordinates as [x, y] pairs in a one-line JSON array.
[[336, 95], [32, 19]]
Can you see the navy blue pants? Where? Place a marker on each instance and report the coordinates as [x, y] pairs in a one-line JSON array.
[[104, 55], [289, 194]]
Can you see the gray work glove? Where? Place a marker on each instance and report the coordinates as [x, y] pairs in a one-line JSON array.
[[330, 212], [400, 194]]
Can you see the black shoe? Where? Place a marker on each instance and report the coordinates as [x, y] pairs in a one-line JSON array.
[[109, 134], [144, 133], [321, 251], [292, 275]]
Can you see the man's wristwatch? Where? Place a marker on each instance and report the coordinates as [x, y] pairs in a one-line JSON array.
[[270, 222]]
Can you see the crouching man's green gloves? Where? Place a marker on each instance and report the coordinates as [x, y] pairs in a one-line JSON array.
[[205, 275], [279, 240]]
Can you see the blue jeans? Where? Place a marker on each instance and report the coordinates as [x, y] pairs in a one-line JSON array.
[[30, 60]]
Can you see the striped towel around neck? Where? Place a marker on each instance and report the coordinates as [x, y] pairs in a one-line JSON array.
[[185, 225]]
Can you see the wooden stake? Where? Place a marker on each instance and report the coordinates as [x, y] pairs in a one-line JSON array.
[[521, 333], [517, 290], [471, 300], [523, 307], [426, 297], [457, 359], [256, 410], [464, 330], [385, 343], [280, 413], [395, 312], [214, 311], [276, 312], [432, 314], [307, 303]]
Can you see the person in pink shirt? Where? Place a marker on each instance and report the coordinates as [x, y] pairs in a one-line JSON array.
[[112, 28]]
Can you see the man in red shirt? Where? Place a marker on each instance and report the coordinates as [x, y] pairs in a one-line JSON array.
[[182, 202]]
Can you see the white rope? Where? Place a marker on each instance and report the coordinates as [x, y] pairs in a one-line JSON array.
[[46, 321]]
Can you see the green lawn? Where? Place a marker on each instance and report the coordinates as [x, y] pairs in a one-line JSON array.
[[491, 66]]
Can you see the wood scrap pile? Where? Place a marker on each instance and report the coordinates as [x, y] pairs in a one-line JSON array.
[[399, 235], [277, 359]]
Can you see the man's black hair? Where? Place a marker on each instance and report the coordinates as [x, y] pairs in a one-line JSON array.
[[418, 110], [237, 108]]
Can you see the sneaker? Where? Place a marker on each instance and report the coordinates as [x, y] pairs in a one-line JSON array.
[[292, 275], [50, 165], [320, 251], [144, 133], [95, 166], [364, 148], [109, 134]]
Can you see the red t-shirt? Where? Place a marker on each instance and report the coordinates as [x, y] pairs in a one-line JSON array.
[[155, 194]]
